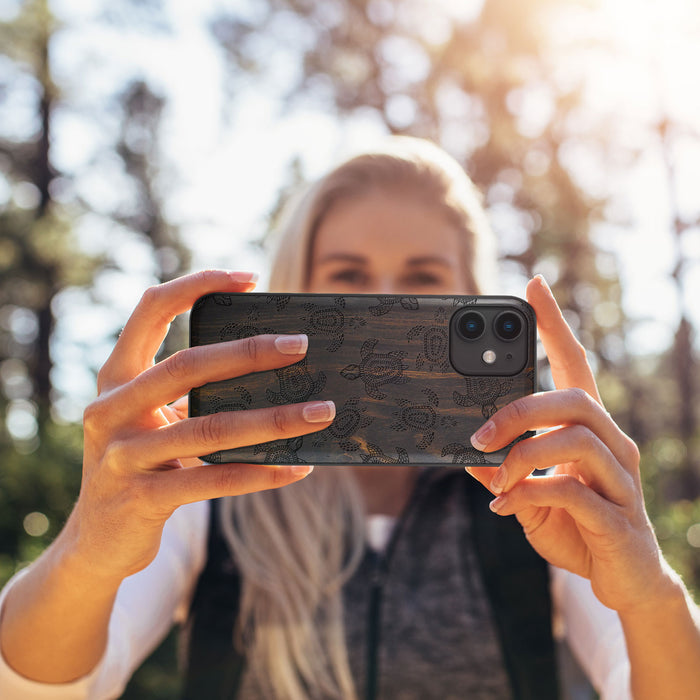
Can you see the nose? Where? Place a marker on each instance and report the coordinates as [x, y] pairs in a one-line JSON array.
[[386, 284]]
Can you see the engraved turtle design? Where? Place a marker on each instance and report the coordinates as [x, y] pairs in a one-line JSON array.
[[435, 347], [462, 300], [281, 451], [218, 299], [296, 384], [239, 399], [348, 419], [329, 321], [377, 369], [377, 456], [464, 454], [281, 301], [420, 418], [484, 392], [238, 331], [386, 304]]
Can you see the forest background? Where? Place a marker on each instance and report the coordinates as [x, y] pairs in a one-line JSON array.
[[141, 139]]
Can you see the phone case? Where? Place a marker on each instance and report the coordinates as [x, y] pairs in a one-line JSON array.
[[384, 360]]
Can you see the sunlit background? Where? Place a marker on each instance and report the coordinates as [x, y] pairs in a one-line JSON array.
[[140, 139]]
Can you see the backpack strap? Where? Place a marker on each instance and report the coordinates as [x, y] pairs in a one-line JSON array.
[[516, 579], [214, 667]]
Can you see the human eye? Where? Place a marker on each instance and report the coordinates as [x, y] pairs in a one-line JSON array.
[[424, 278], [351, 276]]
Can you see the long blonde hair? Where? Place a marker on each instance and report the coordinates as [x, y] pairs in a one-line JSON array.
[[296, 546]]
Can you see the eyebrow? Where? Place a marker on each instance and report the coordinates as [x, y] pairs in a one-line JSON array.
[[343, 257], [361, 259]]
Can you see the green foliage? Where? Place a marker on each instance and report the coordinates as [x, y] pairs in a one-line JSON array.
[[40, 476]]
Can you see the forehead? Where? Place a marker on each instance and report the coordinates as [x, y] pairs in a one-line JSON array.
[[386, 227]]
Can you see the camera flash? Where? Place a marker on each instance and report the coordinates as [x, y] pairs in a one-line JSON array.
[[489, 357]]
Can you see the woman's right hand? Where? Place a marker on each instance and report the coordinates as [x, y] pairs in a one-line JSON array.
[[140, 454]]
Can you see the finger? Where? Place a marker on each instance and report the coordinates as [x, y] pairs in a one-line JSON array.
[[181, 407], [556, 408], [193, 367], [175, 488], [567, 357], [148, 324], [585, 506], [585, 455], [193, 437]]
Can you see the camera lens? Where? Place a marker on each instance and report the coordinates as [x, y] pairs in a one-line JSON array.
[[471, 325], [508, 325]]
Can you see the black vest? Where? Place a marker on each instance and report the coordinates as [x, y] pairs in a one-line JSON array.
[[515, 579]]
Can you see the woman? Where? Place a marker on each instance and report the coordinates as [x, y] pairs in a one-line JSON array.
[[405, 220]]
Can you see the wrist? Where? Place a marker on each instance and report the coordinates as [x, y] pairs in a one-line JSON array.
[[666, 596], [72, 555]]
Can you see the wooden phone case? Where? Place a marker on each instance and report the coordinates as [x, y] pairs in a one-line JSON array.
[[384, 360]]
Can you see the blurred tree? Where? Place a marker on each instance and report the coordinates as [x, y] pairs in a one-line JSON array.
[[38, 253], [38, 257]]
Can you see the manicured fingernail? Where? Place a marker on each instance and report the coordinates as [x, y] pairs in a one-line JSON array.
[[292, 344], [243, 277], [319, 412], [301, 470], [499, 480], [497, 504], [483, 436]]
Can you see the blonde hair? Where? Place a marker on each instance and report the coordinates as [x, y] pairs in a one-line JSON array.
[[296, 546]]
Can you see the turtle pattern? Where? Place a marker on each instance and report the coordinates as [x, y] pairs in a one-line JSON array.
[[280, 451], [377, 369], [348, 419], [386, 304], [238, 331], [462, 300], [463, 454], [421, 418], [238, 400], [296, 384], [436, 342], [281, 301], [329, 321], [375, 455], [484, 392]]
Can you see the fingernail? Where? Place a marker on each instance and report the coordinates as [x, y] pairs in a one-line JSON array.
[[499, 480], [483, 436], [319, 412], [243, 277], [292, 344], [301, 470], [543, 282], [497, 504]]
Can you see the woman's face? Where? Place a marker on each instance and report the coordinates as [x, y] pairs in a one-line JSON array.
[[386, 244]]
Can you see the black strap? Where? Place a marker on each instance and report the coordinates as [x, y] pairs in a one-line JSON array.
[[517, 583], [214, 666]]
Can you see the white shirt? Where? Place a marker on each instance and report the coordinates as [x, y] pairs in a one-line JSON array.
[[149, 602]]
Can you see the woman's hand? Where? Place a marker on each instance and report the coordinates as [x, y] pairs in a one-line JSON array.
[[140, 452], [587, 515]]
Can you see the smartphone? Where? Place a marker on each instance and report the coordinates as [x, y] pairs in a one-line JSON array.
[[412, 377]]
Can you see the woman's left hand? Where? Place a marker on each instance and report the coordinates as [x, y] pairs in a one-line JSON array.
[[587, 514]]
